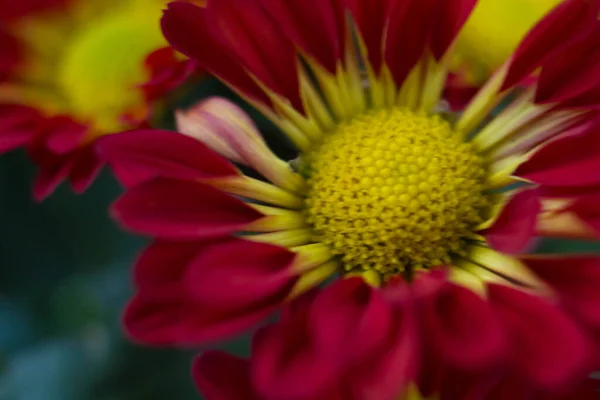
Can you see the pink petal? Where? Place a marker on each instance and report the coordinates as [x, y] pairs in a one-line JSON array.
[[515, 227], [146, 154], [312, 25], [546, 346], [221, 376], [571, 160], [576, 280], [255, 39], [181, 210], [238, 273], [183, 23], [465, 328], [554, 32], [350, 320]]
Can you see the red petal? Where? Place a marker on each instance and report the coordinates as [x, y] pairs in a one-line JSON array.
[[140, 155], [221, 376], [18, 125], [64, 135], [53, 170], [312, 25], [86, 168], [572, 160], [181, 210], [371, 18], [568, 21], [587, 208], [407, 35], [465, 328], [350, 320], [167, 317], [515, 227], [12, 53], [254, 37], [166, 72], [286, 365], [546, 346], [389, 371], [183, 24], [451, 15], [576, 280], [163, 263], [237, 273], [571, 72]]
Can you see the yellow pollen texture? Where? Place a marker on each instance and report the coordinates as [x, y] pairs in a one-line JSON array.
[[394, 191]]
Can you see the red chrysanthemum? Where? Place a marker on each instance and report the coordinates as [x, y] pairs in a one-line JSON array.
[[431, 210], [70, 74]]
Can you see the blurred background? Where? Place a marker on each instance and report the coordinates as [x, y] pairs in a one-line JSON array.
[[64, 280]]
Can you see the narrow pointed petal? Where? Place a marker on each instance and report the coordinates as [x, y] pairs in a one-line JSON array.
[[312, 25], [181, 210], [576, 280], [553, 166], [552, 359], [465, 328], [139, 155], [182, 24], [555, 31], [237, 273], [221, 376], [256, 40], [228, 130], [514, 229]]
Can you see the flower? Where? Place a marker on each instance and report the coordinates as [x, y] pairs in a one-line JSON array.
[[488, 39], [420, 217], [70, 72], [214, 371]]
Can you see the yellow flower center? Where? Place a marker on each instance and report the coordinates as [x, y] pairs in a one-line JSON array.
[[394, 191], [86, 60]]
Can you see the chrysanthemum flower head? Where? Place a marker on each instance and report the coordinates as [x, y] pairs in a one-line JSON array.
[[420, 216], [72, 71]]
